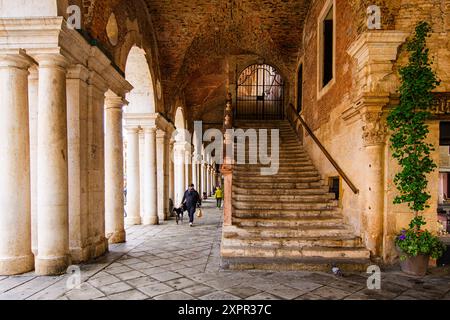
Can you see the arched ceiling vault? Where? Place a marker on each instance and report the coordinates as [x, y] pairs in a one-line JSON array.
[[195, 38]]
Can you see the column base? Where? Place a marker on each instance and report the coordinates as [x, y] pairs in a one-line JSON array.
[[52, 266], [16, 265], [132, 221], [116, 237], [151, 221]]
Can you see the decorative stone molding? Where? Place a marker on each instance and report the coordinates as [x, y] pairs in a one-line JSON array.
[[50, 36], [374, 129], [375, 53], [149, 120]]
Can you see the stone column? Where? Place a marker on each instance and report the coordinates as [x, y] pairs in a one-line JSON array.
[[96, 164], [114, 178], [53, 218], [171, 172], [150, 187], [194, 173], [142, 195], [179, 157], [374, 133], [15, 203], [33, 99], [187, 167], [208, 179], [162, 198], [133, 179], [77, 130]]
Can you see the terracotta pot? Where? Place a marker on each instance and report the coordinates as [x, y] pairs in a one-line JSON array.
[[416, 266]]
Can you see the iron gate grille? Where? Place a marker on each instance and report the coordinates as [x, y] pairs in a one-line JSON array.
[[260, 94]]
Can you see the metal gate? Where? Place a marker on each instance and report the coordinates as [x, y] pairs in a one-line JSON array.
[[260, 94]]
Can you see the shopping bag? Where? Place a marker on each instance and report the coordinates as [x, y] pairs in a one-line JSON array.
[[199, 213]]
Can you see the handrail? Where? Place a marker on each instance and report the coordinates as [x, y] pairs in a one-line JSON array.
[[327, 154]]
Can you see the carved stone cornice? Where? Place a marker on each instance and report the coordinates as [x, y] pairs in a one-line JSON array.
[[375, 53]]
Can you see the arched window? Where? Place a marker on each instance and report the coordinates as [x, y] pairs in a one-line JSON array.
[[260, 94]]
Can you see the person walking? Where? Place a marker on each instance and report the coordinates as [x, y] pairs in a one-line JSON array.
[[219, 196], [191, 198]]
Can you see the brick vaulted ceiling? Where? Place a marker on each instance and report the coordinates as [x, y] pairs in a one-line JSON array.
[[196, 37]]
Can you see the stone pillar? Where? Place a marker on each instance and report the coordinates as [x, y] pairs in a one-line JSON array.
[[96, 164], [227, 172], [142, 194], [171, 172], [208, 179], [15, 202], [53, 218], [194, 173], [161, 151], [374, 133], [77, 130], [33, 99], [150, 178], [133, 179], [187, 167], [114, 178], [179, 157]]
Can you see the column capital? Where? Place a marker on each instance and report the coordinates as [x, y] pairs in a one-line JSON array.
[[53, 60], [113, 101], [151, 130], [19, 60], [132, 129], [161, 134], [78, 71]]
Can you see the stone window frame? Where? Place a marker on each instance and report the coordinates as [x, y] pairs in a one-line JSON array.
[[321, 91]]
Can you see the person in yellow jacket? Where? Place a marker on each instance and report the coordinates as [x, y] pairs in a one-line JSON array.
[[219, 196]]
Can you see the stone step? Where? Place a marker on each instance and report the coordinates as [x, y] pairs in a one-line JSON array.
[[275, 192], [302, 252], [284, 206], [294, 264], [322, 198], [256, 170], [314, 222], [292, 232], [274, 179], [295, 243], [287, 214], [281, 166], [277, 185]]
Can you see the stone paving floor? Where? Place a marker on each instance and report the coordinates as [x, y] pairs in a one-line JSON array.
[[176, 262]]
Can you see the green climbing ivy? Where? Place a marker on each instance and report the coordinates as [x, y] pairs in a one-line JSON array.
[[408, 123]]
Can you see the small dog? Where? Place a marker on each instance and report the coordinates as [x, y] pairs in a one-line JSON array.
[[178, 214]]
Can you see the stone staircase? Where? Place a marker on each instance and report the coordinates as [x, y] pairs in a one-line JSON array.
[[287, 221]]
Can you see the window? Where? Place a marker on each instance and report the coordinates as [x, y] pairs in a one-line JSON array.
[[300, 89], [326, 46]]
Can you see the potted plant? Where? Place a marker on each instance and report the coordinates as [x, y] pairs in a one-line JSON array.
[[416, 246], [407, 122]]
